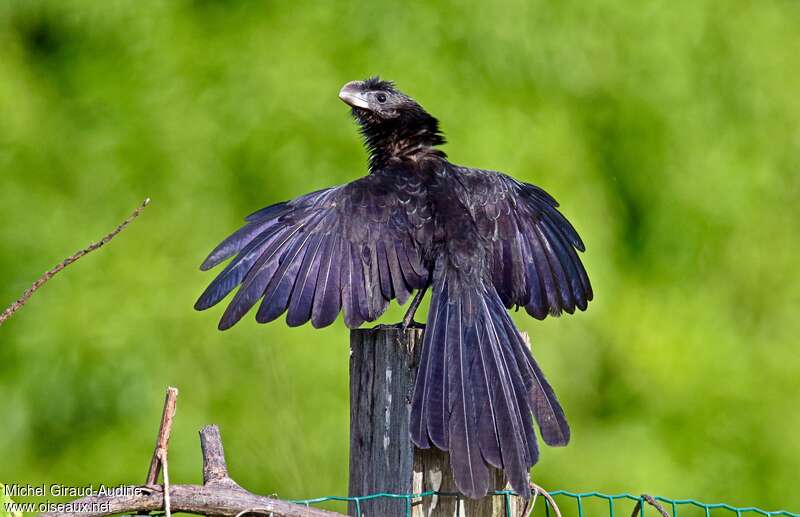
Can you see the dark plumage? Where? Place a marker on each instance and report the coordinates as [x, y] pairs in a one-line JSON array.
[[483, 242]]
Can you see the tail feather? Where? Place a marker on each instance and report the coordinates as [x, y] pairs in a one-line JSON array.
[[487, 412], [430, 411], [518, 441], [542, 399], [469, 469], [478, 386], [546, 408]]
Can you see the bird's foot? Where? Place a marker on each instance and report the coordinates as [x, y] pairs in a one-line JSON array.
[[405, 325]]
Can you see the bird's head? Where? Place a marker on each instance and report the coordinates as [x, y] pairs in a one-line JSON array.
[[391, 121], [377, 101]]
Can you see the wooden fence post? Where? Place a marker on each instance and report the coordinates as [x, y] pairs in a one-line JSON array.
[[383, 366]]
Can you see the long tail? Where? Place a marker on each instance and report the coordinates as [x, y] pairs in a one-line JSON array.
[[477, 386]]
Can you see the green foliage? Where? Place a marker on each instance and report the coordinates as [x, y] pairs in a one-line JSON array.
[[667, 129]]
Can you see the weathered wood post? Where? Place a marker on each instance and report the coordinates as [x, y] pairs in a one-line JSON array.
[[383, 366]]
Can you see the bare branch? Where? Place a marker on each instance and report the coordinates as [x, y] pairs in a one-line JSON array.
[[164, 431], [210, 499], [159, 460], [215, 468], [17, 305], [219, 494], [536, 489], [652, 502]]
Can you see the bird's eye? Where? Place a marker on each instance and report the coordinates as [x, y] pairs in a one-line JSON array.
[[381, 97]]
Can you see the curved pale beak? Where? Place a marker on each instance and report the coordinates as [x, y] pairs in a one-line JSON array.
[[353, 95]]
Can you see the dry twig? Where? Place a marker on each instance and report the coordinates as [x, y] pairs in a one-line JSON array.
[[652, 502], [164, 432], [531, 504], [218, 495], [159, 460], [17, 305], [536, 491]]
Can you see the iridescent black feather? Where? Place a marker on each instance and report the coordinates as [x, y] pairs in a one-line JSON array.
[[483, 242]]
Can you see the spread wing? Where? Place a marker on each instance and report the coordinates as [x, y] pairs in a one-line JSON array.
[[353, 247], [534, 257]]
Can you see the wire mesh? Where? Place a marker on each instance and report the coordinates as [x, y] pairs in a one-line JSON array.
[[576, 504]]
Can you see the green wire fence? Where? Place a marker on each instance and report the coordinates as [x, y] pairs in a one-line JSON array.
[[578, 505]]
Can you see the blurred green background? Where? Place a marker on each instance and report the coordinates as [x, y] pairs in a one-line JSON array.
[[668, 130]]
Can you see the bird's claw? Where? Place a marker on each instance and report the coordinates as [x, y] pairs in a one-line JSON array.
[[411, 325], [403, 325]]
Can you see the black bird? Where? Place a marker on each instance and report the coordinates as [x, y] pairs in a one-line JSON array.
[[483, 242]]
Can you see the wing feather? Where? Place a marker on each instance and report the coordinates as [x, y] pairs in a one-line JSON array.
[[328, 295], [303, 292], [353, 247], [534, 258]]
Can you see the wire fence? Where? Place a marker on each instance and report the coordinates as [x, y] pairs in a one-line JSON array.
[[586, 504]]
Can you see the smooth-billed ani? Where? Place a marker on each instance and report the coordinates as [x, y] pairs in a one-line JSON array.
[[483, 241]]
